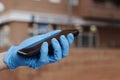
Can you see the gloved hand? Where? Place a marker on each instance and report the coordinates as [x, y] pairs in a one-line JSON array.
[[61, 50]]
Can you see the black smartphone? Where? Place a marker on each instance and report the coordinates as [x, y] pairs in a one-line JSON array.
[[35, 50]]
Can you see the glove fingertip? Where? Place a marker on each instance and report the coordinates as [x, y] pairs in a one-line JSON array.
[[54, 40], [45, 44], [70, 38], [44, 47]]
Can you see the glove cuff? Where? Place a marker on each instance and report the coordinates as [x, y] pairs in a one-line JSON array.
[[8, 58]]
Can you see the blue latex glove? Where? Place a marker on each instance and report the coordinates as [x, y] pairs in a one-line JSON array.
[[61, 50]]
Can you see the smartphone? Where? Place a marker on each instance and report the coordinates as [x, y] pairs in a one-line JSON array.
[[35, 50]]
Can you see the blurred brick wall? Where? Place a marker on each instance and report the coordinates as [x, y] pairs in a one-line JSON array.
[[81, 64], [18, 32], [87, 8], [43, 6], [108, 36]]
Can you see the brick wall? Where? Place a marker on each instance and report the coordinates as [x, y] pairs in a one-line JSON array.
[[108, 36], [18, 32], [81, 64], [87, 8], [43, 6]]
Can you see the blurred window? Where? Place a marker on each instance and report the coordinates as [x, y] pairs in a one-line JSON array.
[[99, 1], [74, 2], [4, 36], [116, 3], [39, 28], [87, 37]]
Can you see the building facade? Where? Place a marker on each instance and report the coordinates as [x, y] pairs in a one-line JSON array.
[[97, 21]]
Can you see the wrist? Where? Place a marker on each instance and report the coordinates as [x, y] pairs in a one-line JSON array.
[[3, 65], [9, 58]]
